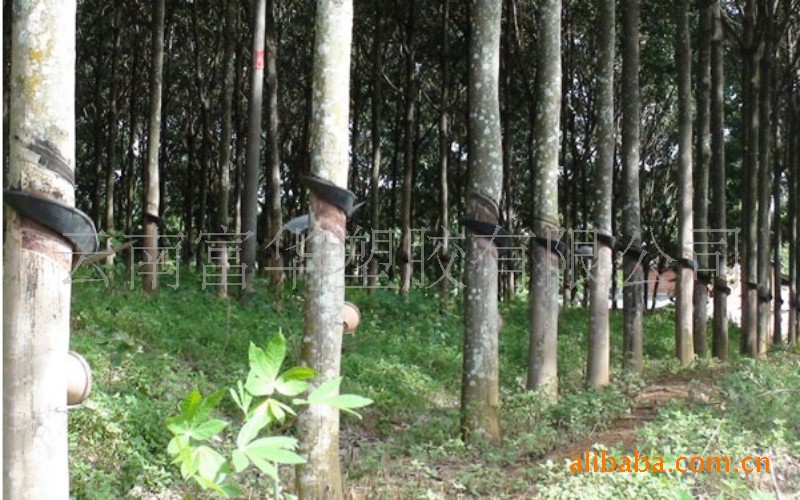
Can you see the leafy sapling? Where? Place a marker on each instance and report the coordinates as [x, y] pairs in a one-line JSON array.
[[195, 432]]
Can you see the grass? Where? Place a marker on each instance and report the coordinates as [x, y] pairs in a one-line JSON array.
[[148, 352]]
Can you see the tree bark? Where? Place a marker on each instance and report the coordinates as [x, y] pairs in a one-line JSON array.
[[598, 365], [764, 190], [151, 183], [274, 155], [444, 154], [318, 426], [223, 215], [701, 178], [36, 302], [750, 85], [684, 345], [480, 383], [632, 295], [410, 91], [542, 355], [718, 212], [377, 115], [251, 169], [113, 132]]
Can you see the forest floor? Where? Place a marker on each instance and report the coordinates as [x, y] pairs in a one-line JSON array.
[[148, 352]]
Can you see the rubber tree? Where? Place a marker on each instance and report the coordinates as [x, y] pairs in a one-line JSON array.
[[151, 182], [480, 384], [36, 299], [751, 76], [719, 344], [377, 114], [275, 217], [318, 426], [409, 136], [701, 179], [253, 152], [543, 350], [223, 217], [632, 293], [684, 347], [598, 365]]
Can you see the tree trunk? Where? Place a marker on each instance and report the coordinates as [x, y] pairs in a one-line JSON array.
[[274, 155], [480, 384], [252, 159], [632, 295], [718, 213], [542, 355], [377, 112], [764, 191], [750, 84], [701, 172], [223, 216], [793, 183], [777, 333], [684, 345], [36, 303], [406, 247], [113, 133], [444, 154], [151, 183], [130, 174], [318, 427], [597, 368]]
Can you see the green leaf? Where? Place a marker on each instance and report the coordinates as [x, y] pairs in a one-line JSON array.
[[327, 394], [208, 404], [177, 425], [264, 466], [290, 387], [190, 405], [346, 402], [242, 398], [298, 373], [324, 391], [275, 449], [208, 429], [209, 462], [239, 460], [177, 444], [257, 421], [265, 365]]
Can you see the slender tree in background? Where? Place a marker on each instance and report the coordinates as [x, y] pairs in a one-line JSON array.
[[273, 154], [718, 209], [542, 355], [410, 123], [113, 132], [377, 116], [36, 302], [151, 181], [751, 55], [793, 185], [684, 345], [253, 154], [225, 139], [765, 27], [700, 181], [633, 297], [597, 369], [480, 383], [444, 150], [318, 427]]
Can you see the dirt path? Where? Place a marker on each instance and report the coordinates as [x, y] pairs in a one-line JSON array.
[[622, 433]]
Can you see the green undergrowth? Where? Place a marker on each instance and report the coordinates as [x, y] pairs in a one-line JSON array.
[[148, 351]]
